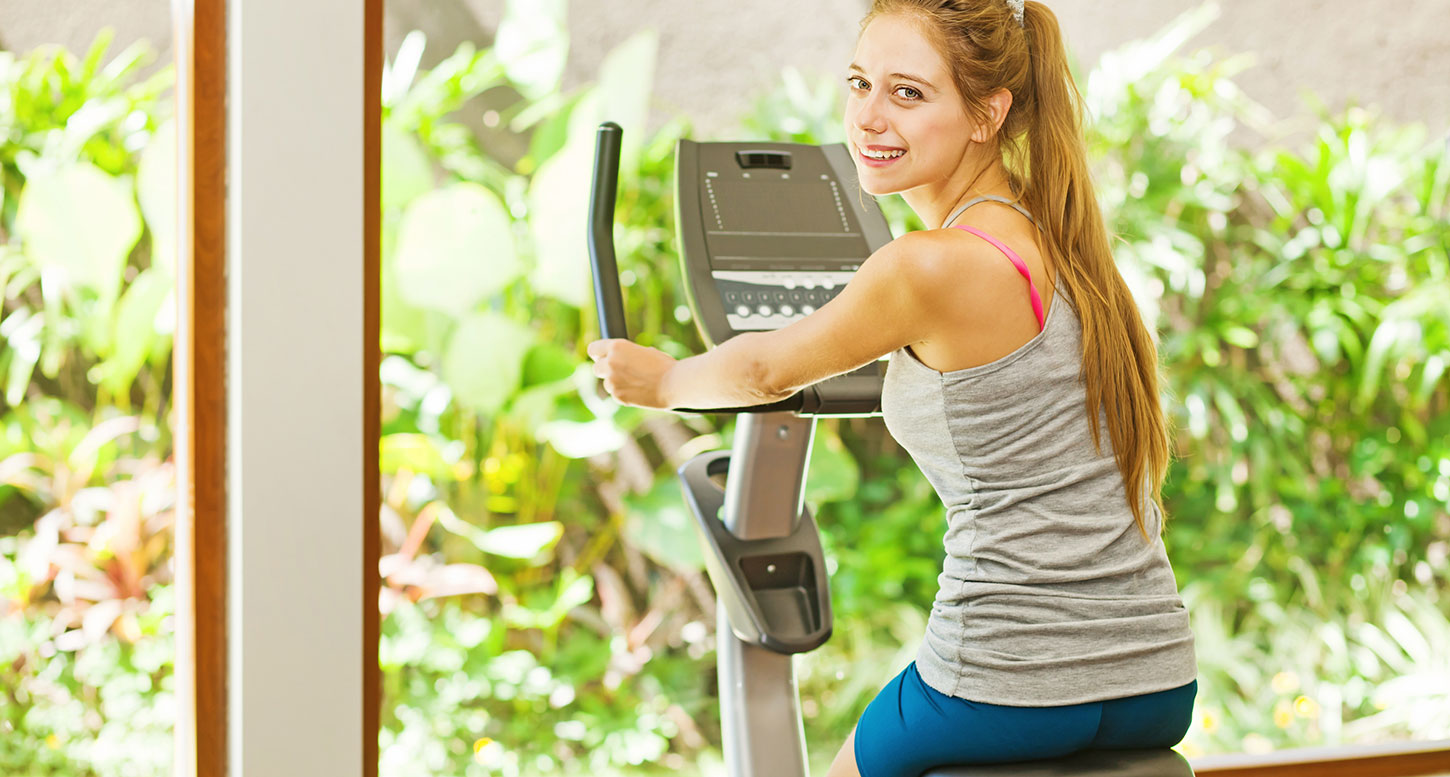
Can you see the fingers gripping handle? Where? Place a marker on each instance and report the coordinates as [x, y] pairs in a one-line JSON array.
[[607, 298]]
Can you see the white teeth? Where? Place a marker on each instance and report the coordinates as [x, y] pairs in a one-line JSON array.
[[881, 154]]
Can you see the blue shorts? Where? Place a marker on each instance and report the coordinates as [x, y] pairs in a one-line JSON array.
[[911, 727]]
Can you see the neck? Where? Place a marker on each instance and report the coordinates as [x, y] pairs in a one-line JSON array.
[[978, 174]]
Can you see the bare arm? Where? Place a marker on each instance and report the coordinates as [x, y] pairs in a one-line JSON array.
[[892, 301]]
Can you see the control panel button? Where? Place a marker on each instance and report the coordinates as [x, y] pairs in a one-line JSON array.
[[742, 311], [733, 297], [807, 309], [749, 297], [763, 310]]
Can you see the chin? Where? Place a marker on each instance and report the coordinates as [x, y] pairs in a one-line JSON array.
[[877, 187], [874, 186]]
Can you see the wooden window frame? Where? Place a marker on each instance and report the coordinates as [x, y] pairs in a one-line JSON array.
[[200, 42], [1399, 759]]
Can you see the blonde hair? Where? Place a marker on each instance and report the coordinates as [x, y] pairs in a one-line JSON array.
[[1041, 144]]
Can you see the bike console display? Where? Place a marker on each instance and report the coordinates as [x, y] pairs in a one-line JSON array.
[[768, 233]]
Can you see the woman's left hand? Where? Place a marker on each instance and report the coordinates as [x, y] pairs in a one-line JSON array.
[[632, 373]]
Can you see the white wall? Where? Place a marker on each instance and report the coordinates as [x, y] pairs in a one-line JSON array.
[[295, 387]]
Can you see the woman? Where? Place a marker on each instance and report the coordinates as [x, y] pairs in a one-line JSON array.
[[1021, 380]]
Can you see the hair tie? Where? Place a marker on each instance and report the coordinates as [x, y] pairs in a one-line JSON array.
[[1018, 6]]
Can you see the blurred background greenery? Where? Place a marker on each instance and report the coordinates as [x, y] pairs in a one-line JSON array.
[[544, 606]]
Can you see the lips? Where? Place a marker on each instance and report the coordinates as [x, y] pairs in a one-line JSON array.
[[870, 161]]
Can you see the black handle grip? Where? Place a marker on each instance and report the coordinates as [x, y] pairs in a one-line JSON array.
[[607, 297]]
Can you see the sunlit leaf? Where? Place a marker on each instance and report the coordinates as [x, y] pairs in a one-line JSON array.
[[405, 327], [455, 248], [79, 224], [484, 360], [571, 590], [581, 440], [548, 363], [558, 208], [1241, 336], [406, 171], [659, 523], [21, 331], [532, 43], [135, 328], [414, 452], [524, 541], [156, 190]]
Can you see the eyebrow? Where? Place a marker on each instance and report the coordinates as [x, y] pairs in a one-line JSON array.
[[904, 76]]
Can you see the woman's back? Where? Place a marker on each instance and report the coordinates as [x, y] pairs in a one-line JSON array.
[[1049, 594]]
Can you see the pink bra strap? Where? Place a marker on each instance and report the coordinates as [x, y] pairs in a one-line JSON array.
[[1016, 262]]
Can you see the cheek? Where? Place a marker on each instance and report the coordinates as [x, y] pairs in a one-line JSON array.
[[947, 135]]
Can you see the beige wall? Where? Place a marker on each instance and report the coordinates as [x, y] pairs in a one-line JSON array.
[[1395, 55], [716, 56], [25, 24]]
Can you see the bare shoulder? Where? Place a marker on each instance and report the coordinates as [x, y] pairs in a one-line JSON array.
[[947, 267]]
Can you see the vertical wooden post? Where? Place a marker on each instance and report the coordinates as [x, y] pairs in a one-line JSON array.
[[372, 388], [199, 380], [201, 388]]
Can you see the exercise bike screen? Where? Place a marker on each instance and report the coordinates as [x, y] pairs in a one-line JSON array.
[[777, 208]]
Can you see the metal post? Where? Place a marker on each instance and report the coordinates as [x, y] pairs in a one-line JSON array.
[[759, 704]]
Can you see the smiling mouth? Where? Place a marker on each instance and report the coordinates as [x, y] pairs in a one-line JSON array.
[[882, 156], [878, 158]]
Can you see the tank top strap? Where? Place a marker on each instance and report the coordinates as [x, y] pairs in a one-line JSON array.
[[1021, 268], [985, 198]]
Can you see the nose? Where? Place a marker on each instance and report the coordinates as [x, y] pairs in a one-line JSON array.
[[868, 114]]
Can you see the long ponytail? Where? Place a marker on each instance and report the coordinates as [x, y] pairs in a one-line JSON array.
[[1041, 143], [1119, 358]]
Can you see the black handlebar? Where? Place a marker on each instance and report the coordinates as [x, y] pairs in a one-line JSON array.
[[607, 298]]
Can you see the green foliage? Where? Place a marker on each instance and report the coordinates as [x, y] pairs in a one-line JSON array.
[[544, 607], [1294, 292], [86, 493], [83, 302], [548, 599]]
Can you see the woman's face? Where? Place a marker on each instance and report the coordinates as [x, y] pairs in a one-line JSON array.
[[905, 121]]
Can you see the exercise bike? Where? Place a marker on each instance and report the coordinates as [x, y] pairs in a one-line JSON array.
[[769, 232]]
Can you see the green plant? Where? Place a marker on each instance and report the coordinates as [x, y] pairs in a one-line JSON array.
[[86, 491], [1211, 235], [544, 606], [506, 518], [1291, 290]]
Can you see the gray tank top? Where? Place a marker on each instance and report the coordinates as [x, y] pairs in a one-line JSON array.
[[1049, 594]]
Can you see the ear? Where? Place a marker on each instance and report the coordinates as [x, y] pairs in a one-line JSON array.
[[998, 104]]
